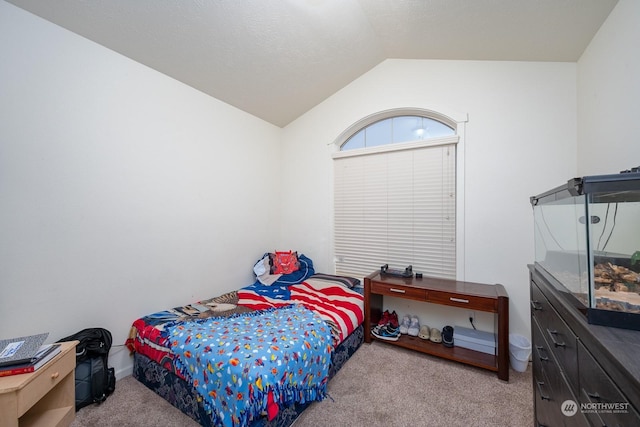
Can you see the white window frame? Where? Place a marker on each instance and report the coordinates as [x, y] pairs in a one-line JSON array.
[[455, 120]]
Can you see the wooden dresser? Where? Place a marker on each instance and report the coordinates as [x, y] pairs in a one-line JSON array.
[[583, 375], [44, 398]]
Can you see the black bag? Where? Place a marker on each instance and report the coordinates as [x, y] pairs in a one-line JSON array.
[[95, 381]]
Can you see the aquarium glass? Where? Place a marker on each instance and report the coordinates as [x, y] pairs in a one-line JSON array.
[[614, 238], [561, 243]]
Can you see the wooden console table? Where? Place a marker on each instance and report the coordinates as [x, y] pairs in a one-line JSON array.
[[467, 295]]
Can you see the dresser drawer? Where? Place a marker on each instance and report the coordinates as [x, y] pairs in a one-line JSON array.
[[546, 366], [399, 291], [551, 392], [540, 305], [540, 352], [545, 408], [601, 395], [560, 339]]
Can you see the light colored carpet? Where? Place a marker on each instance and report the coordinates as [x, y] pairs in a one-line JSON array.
[[381, 385]]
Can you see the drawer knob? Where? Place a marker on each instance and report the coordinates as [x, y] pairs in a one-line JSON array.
[[398, 291], [55, 375], [465, 301]]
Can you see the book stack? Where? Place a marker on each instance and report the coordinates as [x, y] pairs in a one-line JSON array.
[[25, 354]]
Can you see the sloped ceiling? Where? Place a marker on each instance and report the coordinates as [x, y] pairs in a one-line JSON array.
[[276, 59]]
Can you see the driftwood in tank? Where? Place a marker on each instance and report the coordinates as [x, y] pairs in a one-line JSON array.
[[616, 278]]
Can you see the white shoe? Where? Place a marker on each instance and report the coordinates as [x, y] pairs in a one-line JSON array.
[[414, 326], [404, 326]]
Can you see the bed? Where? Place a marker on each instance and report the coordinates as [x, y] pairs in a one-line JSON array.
[[256, 356]]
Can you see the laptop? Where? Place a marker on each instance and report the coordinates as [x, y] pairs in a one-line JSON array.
[[20, 350]]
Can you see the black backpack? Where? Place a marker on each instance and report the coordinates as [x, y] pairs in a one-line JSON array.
[[95, 381]]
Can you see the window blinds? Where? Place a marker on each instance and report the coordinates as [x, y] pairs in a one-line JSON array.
[[396, 208]]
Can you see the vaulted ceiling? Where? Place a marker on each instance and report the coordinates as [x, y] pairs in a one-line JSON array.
[[276, 59]]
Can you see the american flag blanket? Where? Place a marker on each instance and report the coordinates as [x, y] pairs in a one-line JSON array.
[[341, 307]]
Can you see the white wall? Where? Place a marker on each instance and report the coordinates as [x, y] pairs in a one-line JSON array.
[[122, 191], [520, 141], [609, 95]]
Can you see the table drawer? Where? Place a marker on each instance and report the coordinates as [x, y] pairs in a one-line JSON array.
[[463, 301], [399, 291], [45, 378]]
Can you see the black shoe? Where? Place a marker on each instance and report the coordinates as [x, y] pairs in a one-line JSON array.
[[447, 336]]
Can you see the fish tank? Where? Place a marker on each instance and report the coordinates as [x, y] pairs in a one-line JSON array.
[[587, 236]]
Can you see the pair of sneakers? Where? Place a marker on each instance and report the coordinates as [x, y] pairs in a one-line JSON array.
[[430, 334], [387, 328], [410, 325]]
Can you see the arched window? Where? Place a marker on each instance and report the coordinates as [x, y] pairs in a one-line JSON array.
[[397, 129], [395, 194]]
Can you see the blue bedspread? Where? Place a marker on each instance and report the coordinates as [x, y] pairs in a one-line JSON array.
[[240, 363]]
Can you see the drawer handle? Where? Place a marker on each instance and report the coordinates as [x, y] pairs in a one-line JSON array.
[[55, 375], [593, 395], [536, 305], [553, 339], [398, 291], [540, 356], [542, 395], [465, 301]]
